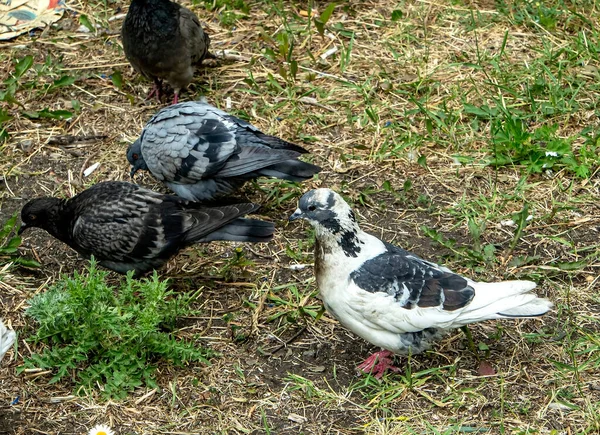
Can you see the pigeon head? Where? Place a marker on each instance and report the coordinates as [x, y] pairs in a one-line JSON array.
[[325, 210], [42, 213], [135, 158]]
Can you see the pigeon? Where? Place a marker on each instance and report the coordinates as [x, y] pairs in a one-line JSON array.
[[7, 338], [201, 152], [163, 41], [126, 227], [392, 298]]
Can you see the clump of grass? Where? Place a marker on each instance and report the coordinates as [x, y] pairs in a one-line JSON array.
[[100, 336]]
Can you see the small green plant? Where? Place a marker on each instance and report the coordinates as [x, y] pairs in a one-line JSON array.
[[97, 335], [538, 151], [229, 10], [11, 84], [238, 261], [9, 244]]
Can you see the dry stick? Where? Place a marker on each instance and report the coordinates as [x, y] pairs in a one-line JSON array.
[[289, 341], [68, 139], [261, 304]]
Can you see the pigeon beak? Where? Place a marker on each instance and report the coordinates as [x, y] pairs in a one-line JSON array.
[[22, 228], [296, 215], [133, 171]]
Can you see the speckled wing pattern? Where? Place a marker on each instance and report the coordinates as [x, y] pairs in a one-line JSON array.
[[119, 222], [122, 222], [413, 282], [187, 143], [193, 35]]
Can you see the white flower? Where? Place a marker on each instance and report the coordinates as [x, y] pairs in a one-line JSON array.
[[551, 154], [101, 429]]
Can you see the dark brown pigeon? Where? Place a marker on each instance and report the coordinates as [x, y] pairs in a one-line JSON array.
[[164, 41], [126, 227], [201, 152]]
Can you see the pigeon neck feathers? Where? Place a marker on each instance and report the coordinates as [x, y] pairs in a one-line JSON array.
[[335, 223]]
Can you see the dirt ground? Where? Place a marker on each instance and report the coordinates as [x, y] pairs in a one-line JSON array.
[[289, 374]]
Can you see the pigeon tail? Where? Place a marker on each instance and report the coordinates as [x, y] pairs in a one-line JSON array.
[[279, 144], [243, 230], [253, 158], [505, 299], [291, 170]]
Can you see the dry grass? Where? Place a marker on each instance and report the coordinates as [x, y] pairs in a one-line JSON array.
[[370, 118]]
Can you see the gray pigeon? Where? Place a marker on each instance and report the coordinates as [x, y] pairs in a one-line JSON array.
[[201, 152], [163, 41], [389, 296], [126, 227]]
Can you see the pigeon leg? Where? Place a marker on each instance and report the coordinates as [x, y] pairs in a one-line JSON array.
[[176, 97], [156, 90], [378, 363]]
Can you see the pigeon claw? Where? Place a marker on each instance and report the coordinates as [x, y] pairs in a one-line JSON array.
[[378, 363]]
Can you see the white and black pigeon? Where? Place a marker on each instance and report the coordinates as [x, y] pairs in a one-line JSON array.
[[389, 296], [126, 227], [164, 41], [201, 152], [7, 338]]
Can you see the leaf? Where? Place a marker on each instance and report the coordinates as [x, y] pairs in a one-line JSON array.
[[294, 68], [23, 65], [62, 82], [484, 112], [485, 369], [572, 265], [14, 243], [117, 79], [422, 161], [4, 116], [25, 262], [397, 14], [324, 17], [84, 20]]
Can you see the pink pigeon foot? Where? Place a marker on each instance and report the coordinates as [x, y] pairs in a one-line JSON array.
[[378, 363], [156, 90], [176, 97]]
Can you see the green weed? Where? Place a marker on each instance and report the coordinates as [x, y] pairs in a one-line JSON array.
[[98, 335]]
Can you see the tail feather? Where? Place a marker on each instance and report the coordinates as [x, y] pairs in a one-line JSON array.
[[506, 299], [253, 158], [243, 230], [292, 170], [279, 144]]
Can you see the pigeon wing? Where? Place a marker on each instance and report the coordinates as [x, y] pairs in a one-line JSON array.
[[186, 144], [399, 292], [192, 34], [413, 282], [248, 134], [120, 229]]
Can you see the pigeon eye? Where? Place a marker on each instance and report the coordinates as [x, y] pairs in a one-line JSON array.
[[312, 207], [135, 156], [31, 217]]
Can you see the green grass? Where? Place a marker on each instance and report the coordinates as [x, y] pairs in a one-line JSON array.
[[99, 336]]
